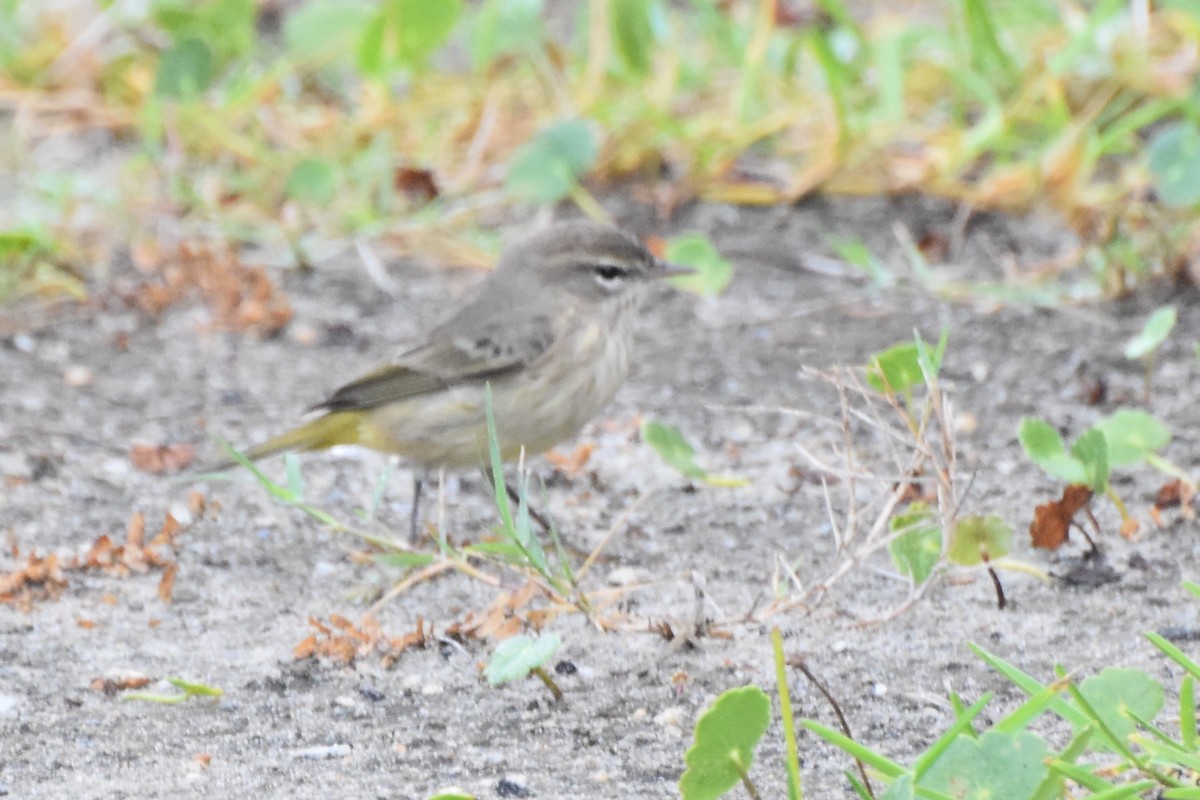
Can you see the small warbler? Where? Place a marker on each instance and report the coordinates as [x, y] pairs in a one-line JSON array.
[[549, 329]]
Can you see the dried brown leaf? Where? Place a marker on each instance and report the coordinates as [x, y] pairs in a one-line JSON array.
[[1052, 521], [163, 458]]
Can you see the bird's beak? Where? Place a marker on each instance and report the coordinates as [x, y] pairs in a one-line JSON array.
[[665, 269]]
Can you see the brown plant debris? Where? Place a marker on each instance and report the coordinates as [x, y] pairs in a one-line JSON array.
[[45, 577], [239, 297], [344, 642], [1174, 494], [160, 459], [1052, 521]]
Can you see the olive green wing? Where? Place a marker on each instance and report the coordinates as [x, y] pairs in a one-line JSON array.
[[452, 357]]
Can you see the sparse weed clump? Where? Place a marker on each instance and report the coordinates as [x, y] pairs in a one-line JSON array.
[[1115, 748], [244, 122]]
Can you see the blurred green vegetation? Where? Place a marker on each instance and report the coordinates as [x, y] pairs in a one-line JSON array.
[[293, 124]]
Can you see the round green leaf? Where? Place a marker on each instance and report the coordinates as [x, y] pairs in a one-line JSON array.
[[996, 766], [1116, 693], [712, 272], [916, 551], [500, 27], [726, 735], [896, 369], [1132, 435], [978, 536], [1045, 448], [185, 69], [1174, 161], [635, 26], [324, 28], [901, 788], [1153, 333], [672, 448], [313, 181], [404, 33], [1091, 450], [545, 169], [515, 658]]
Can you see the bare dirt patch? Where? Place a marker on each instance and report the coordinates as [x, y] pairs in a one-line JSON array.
[[79, 394]]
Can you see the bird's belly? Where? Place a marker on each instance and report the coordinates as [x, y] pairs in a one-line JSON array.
[[534, 409]]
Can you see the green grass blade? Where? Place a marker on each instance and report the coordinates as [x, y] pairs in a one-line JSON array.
[[1187, 713], [497, 464], [961, 725], [1174, 653], [1030, 685], [791, 749], [887, 767]]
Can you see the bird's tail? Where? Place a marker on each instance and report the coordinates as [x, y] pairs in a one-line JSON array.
[[338, 427]]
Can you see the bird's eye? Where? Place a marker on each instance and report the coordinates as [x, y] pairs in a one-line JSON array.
[[607, 273]]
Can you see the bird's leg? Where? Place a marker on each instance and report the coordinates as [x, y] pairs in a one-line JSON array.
[[534, 514], [414, 521], [542, 520], [515, 497]]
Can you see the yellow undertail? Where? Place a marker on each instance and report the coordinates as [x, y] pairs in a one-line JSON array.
[[338, 427]]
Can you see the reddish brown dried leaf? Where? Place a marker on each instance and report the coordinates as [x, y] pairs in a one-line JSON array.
[[240, 298], [416, 182], [1176, 493], [162, 458], [656, 245], [1052, 521], [572, 464], [306, 648], [934, 246], [166, 584], [167, 533], [102, 553], [39, 578], [340, 649], [120, 683], [1130, 527], [135, 535], [395, 646]]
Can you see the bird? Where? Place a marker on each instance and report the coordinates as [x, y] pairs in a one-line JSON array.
[[549, 330]]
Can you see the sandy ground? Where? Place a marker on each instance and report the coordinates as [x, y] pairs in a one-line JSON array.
[[251, 571]]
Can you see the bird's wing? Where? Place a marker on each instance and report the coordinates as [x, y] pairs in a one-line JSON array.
[[460, 351]]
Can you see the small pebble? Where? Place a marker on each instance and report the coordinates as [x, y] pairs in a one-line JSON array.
[[965, 423], [77, 375], [321, 753], [9, 707], [670, 716], [303, 334], [182, 512], [371, 693], [513, 786], [626, 576]]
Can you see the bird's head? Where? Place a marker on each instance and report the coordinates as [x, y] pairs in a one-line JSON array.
[[588, 260]]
